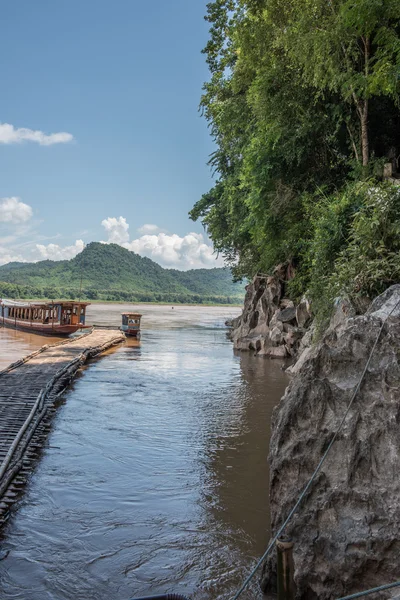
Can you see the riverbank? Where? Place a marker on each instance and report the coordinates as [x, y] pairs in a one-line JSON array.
[[124, 302], [346, 532]]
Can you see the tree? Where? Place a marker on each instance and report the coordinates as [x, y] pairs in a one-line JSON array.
[[351, 48], [300, 93]]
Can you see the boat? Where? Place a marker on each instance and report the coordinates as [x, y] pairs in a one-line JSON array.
[[131, 324], [46, 318]]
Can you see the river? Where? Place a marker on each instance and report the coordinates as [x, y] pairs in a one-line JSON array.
[[155, 475]]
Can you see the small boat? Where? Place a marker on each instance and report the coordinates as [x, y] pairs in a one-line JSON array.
[[48, 318], [131, 324]]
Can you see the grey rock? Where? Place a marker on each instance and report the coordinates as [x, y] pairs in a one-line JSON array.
[[343, 309], [286, 303], [274, 321], [274, 352], [303, 312], [347, 531], [287, 314], [276, 335], [387, 303], [265, 312], [262, 299]]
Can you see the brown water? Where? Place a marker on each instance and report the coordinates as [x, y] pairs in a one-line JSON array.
[[155, 476]]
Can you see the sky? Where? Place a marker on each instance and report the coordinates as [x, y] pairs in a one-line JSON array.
[[100, 134]]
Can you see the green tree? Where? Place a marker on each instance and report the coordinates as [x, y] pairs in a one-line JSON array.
[[300, 93], [345, 47]]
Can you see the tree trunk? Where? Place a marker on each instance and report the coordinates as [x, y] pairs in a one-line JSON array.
[[364, 107], [364, 133]]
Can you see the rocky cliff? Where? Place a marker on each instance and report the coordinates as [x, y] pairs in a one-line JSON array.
[[347, 531], [270, 324]]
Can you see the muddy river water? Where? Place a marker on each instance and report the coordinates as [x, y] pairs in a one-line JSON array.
[[154, 478]]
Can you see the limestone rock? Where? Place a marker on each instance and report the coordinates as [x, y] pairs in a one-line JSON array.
[[276, 335], [287, 314], [262, 299], [274, 352], [342, 310], [303, 312], [292, 336], [286, 303], [347, 531], [267, 317], [274, 321], [386, 303]]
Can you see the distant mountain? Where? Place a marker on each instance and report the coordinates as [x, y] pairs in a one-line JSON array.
[[110, 272]]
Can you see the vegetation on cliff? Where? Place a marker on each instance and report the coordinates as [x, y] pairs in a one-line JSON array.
[[110, 272], [303, 104]]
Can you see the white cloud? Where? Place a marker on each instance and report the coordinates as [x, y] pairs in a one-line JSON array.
[[56, 252], [169, 250], [117, 230], [149, 229], [21, 242], [6, 256], [12, 210], [188, 252], [10, 135]]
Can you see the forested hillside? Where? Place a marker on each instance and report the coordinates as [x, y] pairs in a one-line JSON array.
[[110, 272], [303, 104]]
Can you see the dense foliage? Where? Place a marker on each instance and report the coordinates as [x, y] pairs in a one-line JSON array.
[[110, 272], [303, 104]]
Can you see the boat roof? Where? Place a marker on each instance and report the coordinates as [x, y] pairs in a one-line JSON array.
[[68, 303], [132, 314]]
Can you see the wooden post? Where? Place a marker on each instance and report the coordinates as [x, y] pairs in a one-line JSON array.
[[285, 570]]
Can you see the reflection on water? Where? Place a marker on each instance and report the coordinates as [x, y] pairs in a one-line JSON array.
[[14, 344], [155, 479]]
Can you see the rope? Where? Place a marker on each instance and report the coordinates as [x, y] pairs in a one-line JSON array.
[[317, 470], [381, 588]]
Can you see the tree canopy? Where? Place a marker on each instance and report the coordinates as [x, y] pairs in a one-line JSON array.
[[303, 103]]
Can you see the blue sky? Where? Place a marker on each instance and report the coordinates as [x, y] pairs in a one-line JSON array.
[[120, 83]]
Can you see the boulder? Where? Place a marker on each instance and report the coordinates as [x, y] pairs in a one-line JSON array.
[[286, 303], [303, 312], [287, 314], [293, 336], [387, 303], [265, 312], [274, 352], [274, 321], [251, 342], [346, 532], [276, 336], [343, 309], [262, 299]]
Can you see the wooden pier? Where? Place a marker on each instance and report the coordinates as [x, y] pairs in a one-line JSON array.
[[28, 391]]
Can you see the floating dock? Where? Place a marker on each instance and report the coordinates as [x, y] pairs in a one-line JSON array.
[[29, 389]]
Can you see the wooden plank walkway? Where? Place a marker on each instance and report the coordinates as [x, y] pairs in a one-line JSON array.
[[28, 390]]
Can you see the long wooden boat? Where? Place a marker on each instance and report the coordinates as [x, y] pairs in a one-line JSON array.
[[46, 318]]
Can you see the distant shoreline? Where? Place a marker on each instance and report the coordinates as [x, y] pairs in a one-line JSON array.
[[128, 302]]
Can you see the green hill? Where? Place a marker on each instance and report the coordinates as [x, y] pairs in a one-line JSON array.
[[110, 272]]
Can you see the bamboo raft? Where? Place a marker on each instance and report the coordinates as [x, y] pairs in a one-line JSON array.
[[29, 389]]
